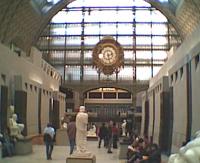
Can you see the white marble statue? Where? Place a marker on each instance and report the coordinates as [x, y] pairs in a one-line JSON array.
[[190, 153], [124, 128], [81, 133], [15, 128], [63, 123], [92, 131]]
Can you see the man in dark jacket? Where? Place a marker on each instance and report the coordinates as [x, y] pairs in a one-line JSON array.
[[110, 136], [102, 134], [71, 132], [153, 154]]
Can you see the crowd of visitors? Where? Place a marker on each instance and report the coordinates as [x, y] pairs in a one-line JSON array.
[[109, 133], [141, 150]]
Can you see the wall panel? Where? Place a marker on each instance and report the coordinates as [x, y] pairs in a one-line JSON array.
[[55, 116], [44, 109], [3, 107], [62, 107], [21, 109], [151, 114], [195, 68], [142, 132], [180, 110], [32, 110], [157, 117]]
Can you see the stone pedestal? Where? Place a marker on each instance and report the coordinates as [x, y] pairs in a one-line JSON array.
[[77, 159], [62, 137], [92, 138], [123, 149], [23, 146]]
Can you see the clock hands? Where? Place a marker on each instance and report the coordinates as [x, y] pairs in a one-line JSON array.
[[108, 55]]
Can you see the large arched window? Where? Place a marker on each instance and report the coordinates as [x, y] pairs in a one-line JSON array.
[[143, 31]]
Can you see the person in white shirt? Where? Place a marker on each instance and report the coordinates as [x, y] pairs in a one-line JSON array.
[[49, 133]]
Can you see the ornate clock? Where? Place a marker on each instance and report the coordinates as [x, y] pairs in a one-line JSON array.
[[108, 56]]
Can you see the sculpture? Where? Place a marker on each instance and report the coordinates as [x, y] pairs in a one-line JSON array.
[[15, 128], [81, 133], [92, 131], [124, 128], [63, 122], [190, 153]]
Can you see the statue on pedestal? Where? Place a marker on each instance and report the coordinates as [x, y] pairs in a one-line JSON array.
[[81, 133], [190, 153], [15, 128], [92, 131], [124, 128]]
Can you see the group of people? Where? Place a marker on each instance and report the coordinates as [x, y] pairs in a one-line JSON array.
[[8, 144], [49, 136], [77, 134], [109, 134], [141, 150]]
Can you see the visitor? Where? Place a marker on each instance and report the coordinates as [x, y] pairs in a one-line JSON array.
[[71, 132], [49, 134], [102, 134], [115, 132], [110, 136]]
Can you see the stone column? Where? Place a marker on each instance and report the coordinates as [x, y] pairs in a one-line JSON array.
[[81, 98], [76, 100]]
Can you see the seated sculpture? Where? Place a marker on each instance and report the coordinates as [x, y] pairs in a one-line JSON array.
[[92, 131], [15, 128], [190, 153]]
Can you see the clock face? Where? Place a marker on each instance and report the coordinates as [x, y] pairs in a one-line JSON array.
[[108, 55]]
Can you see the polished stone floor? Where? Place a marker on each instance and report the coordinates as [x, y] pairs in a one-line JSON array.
[[61, 152]]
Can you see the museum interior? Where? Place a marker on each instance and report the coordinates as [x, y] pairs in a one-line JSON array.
[[133, 62]]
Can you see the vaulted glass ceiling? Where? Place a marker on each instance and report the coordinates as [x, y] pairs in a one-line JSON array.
[[144, 33]]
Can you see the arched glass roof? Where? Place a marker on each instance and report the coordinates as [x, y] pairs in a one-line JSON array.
[[143, 31]]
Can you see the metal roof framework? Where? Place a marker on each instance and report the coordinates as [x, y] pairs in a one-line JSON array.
[[22, 25]]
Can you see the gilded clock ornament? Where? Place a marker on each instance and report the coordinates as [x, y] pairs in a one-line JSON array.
[[108, 56]]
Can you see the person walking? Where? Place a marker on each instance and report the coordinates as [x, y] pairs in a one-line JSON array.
[[115, 133], [102, 134], [71, 132], [49, 133], [110, 136]]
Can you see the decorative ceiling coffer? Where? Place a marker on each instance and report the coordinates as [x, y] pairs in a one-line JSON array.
[[108, 56]]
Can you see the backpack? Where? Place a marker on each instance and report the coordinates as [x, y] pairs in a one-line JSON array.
[[47, 138]]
